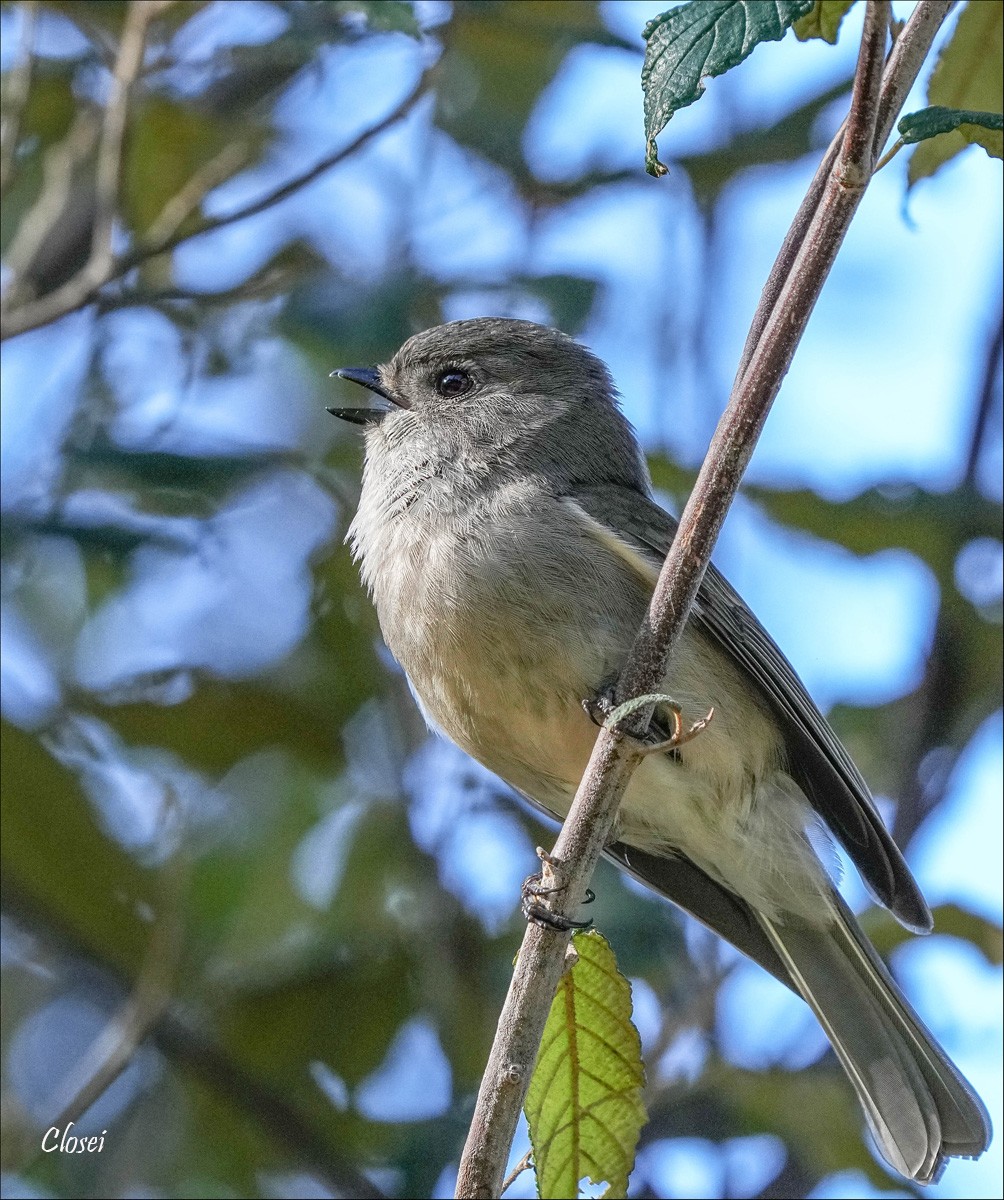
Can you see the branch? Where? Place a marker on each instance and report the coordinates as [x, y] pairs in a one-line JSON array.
[[985, 402], [108, 174], [908, 53], [83, 287], [77, 290], [17, 96], [112, 1050], [803, 265], [191, 1050]]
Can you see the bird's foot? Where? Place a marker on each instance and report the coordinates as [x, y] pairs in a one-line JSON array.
[[665, 733], [534, 890]]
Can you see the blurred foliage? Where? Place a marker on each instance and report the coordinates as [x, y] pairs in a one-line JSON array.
[[323, 913]]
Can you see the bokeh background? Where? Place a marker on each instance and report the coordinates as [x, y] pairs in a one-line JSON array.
[[232, 854]]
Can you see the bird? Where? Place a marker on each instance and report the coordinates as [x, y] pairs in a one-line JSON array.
[[507, 533]]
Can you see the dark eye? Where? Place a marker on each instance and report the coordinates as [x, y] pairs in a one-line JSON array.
[[453, 382]]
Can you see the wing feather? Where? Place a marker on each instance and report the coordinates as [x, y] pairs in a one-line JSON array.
[[631, 524]]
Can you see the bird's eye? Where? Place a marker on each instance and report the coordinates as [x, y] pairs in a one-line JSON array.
[[453, 382]]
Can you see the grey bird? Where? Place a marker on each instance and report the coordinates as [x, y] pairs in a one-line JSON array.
[[507, 533]]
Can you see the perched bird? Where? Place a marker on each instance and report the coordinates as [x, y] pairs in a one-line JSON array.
[[507, 533]]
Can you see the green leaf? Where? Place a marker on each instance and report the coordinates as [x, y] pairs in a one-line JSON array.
[[969, 75], [689, 43], [823, 22], [584, 1105], [984, 129]]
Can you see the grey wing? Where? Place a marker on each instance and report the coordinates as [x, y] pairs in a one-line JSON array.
[[684, 883], [679, 879], [816, 759]]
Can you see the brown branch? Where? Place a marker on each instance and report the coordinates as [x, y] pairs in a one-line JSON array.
[[781, 319], [113, 1049], [76, 291], [60, 165], [83, 287], [18, 87], [985, 402], [108, 173], [908, 53], [191, 1050]]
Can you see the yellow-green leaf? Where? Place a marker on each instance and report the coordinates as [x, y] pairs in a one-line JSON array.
[[584, 1105], [969, 75], [823, 22]]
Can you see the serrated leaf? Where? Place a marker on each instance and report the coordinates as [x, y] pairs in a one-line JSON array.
[[984, 129], [703, 38], [969, 75], [584, 1105], [823, 21]]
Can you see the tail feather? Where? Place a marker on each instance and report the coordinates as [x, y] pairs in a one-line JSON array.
[[918, 1106]]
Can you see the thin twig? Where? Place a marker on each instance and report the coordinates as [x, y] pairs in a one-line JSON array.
[[187, 199], [108, 173], [75, 292], [149, 248], [985, 402], [79, 291], [518, 1169], [905, 60], [60, 165], [192, 1052], [614, 757], [18, 87], [113, 1049]]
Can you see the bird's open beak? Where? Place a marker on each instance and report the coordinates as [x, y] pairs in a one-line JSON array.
[[369, 377]]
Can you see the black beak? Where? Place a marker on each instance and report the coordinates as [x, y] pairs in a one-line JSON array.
[[369, 377]]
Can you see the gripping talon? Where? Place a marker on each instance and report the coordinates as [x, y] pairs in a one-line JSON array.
[[534, 910]]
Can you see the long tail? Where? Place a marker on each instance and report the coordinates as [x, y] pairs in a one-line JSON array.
[[919, 1108]]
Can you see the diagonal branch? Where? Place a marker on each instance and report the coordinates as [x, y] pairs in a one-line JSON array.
[[194, 1053], [17, 96], [803, 265], [107, 186], [166, 233]]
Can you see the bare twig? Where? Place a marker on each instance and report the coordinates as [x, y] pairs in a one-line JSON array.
[[781, 317], [113, 1049], [193, 1052], [905, 60], [59, 170], [518, 1169], [75, 292], [108, 174], [149, 248], [985, 401], [80, 291], [188, 198], [908, 53], [18, 87]]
